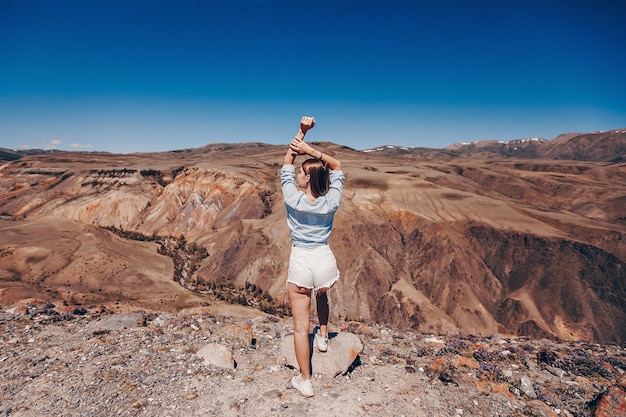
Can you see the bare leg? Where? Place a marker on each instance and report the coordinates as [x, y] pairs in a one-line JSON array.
[[300, 300], [323, 311]]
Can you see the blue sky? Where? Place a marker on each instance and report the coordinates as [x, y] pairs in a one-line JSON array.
[[129, 76]]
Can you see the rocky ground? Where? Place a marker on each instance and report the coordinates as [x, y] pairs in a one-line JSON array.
[[58, 360]]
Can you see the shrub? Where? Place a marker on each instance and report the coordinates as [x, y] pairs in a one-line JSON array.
[[579, 363], [455, 346]]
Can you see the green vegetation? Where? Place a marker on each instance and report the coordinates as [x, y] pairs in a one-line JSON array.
[[153, 173], [248, 295], [116, 172], [266, 198], [188, 257]]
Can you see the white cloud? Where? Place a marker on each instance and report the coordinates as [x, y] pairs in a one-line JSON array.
[[47, 143], [81, 145]]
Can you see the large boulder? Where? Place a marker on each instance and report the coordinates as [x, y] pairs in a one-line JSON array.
[[343, 349]]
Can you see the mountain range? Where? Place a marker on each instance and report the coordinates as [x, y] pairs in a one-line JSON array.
[[525, 237]]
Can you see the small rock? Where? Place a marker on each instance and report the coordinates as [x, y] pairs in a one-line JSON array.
[[539, 408], [217, 355], [489, 387], [527, 388], [529, 364], [18, 309], [433, 341], [138, 403], [559, 373], [160, 320], [498, 338]]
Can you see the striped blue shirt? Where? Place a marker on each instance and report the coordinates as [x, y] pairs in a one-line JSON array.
[[310, 223]]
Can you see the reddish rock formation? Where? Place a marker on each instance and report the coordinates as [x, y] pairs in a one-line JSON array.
[[423, 240]]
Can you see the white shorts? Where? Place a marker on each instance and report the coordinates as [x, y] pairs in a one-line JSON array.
[[313, 268]]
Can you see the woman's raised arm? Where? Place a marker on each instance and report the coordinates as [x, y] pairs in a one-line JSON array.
[[306, 123], [303, 148]]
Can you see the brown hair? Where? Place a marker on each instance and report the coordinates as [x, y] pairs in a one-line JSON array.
[[319, 176]]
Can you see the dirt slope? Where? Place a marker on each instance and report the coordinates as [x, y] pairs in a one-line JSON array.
[[533, 247]]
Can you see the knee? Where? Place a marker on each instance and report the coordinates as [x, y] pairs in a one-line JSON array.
[[301, 329]]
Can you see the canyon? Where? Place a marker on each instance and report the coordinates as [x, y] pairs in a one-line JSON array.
[[526, 237]]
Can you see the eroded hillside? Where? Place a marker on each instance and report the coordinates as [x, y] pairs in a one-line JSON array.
[[533, 247]]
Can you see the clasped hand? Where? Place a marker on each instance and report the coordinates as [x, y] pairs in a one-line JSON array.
[[307, 123], [299, 146]]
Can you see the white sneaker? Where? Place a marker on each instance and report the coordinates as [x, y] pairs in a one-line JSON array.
[[321, 342], [305, 386]]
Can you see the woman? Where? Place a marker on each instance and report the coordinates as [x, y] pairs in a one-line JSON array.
[[312, 265]]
